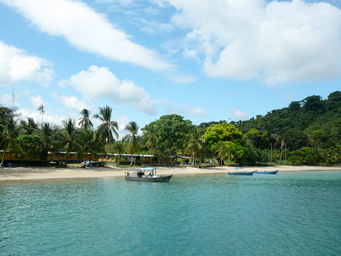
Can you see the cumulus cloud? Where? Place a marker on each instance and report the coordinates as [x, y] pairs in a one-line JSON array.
[[16, 65], [239, 115], [186, 111], [194, 112], [87, 30], [71, 102], [49, 117], [278, 42], [37, 101], [100, 83]]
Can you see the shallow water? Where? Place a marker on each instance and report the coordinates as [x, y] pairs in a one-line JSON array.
[[283, 214]]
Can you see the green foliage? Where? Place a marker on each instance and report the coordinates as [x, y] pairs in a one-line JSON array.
[[312, 121], [9, 132], [257, 139], [132, 139], [222, 132], [170, 129], [88, 144], [29, 146], [107, 129]]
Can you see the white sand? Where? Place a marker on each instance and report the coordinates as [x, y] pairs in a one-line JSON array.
[[43, 173]]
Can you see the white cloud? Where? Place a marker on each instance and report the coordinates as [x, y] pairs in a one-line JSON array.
[[239, 115], [194, 112], [87, 30], [187, 111], [49, 117], [182, 79], [37, 101], [16, 65], [279, 42], [6, 100], [100, 83], [71, 102], [152, 27]]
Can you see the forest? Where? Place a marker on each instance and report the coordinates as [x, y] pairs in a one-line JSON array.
[[306, 132]]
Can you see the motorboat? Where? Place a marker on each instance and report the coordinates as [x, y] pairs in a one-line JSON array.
[[140, 175]]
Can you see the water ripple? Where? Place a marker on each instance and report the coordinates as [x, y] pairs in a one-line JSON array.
[[284, 214]]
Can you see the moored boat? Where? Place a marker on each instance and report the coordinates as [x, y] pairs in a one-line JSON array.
[[240, 173], [139, 175], [266, 172]]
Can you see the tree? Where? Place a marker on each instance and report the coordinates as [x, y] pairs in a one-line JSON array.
[[48, 137], [67, 140], [194, 144], [119, 149], [88, 143], [29, 126], [222, 132], [85, 121], [10, 130], [108, 128], [29, 146], [257, 139], [132, 139], [172, 129], [150, 138]]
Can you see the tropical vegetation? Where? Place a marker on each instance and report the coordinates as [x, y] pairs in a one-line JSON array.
[[305, 132]]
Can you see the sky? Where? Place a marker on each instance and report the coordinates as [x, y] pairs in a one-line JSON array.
[[204, 60]]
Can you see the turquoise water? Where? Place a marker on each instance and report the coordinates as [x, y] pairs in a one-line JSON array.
[[283, 214]]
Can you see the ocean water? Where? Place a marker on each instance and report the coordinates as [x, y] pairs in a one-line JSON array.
[[283, 214]]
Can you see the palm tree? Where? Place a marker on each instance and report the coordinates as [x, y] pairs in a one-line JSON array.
[[132, 139], [10, 130], [48, 137], [106, 130], [162, 151], [29, 126], [119, 149], [221, 152], [194, 144], [85, 121], [150, 139], [68, 138], [89, 144]]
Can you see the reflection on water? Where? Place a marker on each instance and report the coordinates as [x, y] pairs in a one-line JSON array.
[[283, 214]]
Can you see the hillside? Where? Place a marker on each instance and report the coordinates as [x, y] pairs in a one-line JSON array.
[[309, 122]]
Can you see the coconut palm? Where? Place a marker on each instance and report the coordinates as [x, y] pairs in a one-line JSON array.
[[48, 137], [88, 143], [67, 140], [132, 139], [119, 150], [162, 151], [85, 121], [194, 144], [150, 139], [10, 130], [29, 126], [108, 128], [221, 152]]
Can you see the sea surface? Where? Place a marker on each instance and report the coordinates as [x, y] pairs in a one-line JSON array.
[[283, 214]]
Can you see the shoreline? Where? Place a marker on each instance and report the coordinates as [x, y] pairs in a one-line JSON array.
[[52, 173]]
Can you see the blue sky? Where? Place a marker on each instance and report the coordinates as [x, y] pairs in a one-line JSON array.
[[204, 60]]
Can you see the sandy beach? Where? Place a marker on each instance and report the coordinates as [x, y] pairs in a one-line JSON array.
[[45, 173]]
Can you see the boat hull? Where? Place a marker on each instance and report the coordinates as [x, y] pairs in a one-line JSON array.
[[240, 173], [274, 172], [146, 179]]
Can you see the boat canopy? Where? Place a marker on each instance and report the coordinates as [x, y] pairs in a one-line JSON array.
[[146, 169]]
